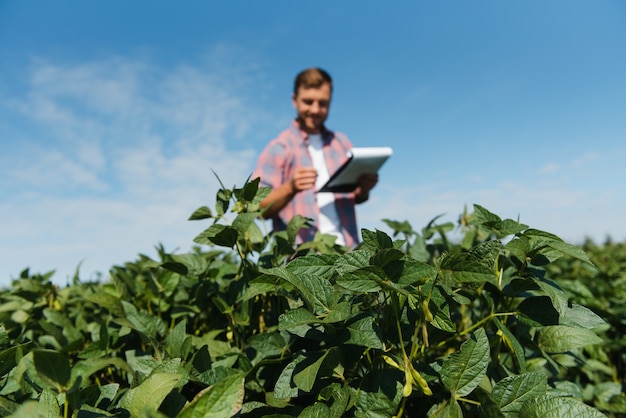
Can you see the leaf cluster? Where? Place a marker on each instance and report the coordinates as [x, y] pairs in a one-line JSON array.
[[253, 324]]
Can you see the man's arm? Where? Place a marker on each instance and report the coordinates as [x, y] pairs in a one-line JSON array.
[[303, 179]]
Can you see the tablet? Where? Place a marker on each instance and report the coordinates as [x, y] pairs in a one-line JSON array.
[[360, 161]]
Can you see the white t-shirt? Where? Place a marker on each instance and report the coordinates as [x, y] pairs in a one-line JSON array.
[[328, 218]]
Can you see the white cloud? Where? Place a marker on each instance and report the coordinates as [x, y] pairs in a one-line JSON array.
[[550, 168], [586, 159], [54, 169], [118, 156]]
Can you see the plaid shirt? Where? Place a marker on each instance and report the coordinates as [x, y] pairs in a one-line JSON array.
[[289, 151]]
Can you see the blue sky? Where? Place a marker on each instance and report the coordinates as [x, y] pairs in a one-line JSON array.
[[113, 114]]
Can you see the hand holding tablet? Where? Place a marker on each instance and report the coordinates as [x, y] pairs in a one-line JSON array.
[[360, 161]]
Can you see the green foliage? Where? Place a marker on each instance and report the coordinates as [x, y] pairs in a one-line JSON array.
[[509, 322]]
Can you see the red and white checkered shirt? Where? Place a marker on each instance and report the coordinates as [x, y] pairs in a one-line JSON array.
[[289, 151]]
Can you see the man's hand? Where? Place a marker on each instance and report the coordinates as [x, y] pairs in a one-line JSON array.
[[303, 178], [366, 182]]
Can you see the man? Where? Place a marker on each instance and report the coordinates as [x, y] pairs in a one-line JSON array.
[[302, 158]]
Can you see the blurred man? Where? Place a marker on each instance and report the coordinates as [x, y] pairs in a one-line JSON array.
[[301, 159]]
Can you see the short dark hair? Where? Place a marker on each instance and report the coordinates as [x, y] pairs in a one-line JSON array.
[[312, 78]]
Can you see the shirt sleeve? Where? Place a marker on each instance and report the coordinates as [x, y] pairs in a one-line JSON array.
[[271, 164]]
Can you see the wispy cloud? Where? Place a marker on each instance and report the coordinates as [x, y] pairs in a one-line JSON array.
[[587, 159], [550, 168], [118, 155]]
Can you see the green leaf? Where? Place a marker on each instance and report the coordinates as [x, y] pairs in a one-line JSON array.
[[321, 243], [340, 310], [105, 300], [377, 240], [305, 378], [379, 393], [433, 228], [512, 392], [489, 407], [222, 201], [352, 261], [317, 292], [570, 250], [419, 250], [494, 224], [193, 263], [243, 221], [558, 338], [223, 306], [567, 389], [538, 311], [463, 370], [365, 332], [609, 396], [570, 314], [175, 267], [513, 345], [416, 273], [49, 399], [504, 227], [202, 359], [86, 368], [340, 398], [519, 248], [266, 345], [222, 235], [202, 212], [298, 321], [258, 287], [141, 321], [53, 367], [320, 265], [254, 234], [367, 277], [8, 358], [364, 280], [150, 393], [250, 189], [223, 399], [485, 253], [575, 315], [317, 410], [483, 215], [386, 256], [540, 246], [460, 268], [107, 392], [285, 387], [294, 225], [449, 409], [8, 407], [439, 305], [399, 227], [177, 342], [551, 407]]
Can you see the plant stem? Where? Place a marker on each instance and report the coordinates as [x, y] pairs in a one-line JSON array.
[[474, 327]]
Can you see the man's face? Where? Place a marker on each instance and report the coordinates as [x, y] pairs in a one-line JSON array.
[[312, 106]]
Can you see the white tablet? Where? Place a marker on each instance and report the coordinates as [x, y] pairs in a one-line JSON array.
[[360, 161]]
